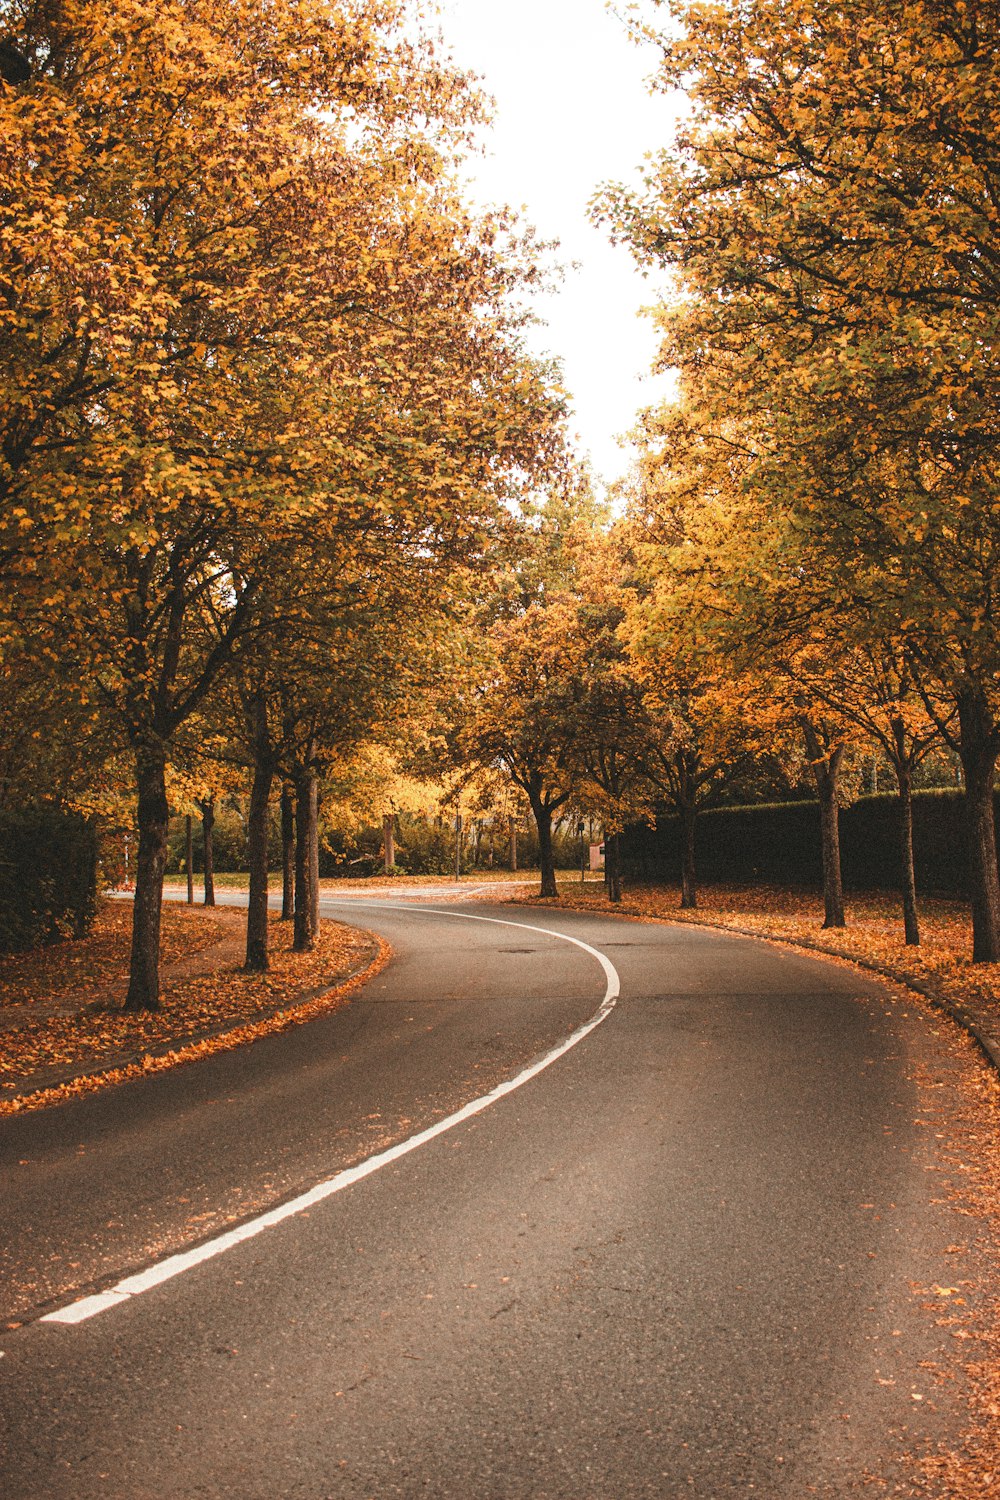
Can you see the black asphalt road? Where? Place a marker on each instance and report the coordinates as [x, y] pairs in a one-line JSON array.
[[681, 1261]]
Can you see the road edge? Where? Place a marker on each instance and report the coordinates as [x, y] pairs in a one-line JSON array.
[[224, 1038], [988, 1045]]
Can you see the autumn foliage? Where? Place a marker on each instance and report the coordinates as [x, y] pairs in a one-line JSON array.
[[266, 420], [258, 364], [827, 483]]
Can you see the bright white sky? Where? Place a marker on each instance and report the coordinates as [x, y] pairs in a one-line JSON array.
[[572, 112]]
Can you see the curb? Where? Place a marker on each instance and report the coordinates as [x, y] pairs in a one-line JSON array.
[[38, 1092], [988, 1044]]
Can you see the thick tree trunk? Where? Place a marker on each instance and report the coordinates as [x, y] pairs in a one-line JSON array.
[[689, 877], [287, 853], [979, 756], [546, 859], [833, 889], [911, 921], [153, 817], [826, 769], [257, 951], [207, 827], [389, 842], [306, 858], [189, 856]]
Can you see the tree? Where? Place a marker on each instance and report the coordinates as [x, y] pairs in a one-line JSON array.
[[615, 735], [524, 715], [296, 325], [830, 209], [156, 172], [695, 625], [872, 684]]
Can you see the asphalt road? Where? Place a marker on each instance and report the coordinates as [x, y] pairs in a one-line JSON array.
[[681, 1260]]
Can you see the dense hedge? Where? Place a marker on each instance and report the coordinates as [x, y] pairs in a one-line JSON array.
[[779, 843], [48, 877]]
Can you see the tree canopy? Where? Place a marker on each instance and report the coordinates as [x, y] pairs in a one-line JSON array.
[[258, 361], [829, 214]]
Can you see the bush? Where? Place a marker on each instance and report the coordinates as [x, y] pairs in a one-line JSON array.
[[48, 877], [424, 849], [421, 849], [779, 843], [346, 856]]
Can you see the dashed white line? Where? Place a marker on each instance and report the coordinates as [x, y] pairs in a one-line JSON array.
[[176, 1265]]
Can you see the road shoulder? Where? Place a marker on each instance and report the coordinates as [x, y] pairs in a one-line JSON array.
[[63, 1033]]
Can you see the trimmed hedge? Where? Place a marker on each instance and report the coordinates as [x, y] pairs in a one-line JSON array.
[[48, 877], [779, 843]]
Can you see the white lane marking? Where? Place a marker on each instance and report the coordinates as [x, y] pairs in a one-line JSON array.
[[175, 1265]]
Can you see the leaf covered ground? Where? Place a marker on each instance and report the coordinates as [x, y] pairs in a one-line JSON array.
[[62, 1030]]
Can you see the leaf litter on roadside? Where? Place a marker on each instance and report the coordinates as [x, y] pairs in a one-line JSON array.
[[60, 1008]]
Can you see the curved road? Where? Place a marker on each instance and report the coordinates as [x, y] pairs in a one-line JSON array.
[[680, 1261]]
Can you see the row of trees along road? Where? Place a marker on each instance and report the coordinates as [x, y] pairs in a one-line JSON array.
[[580, 716], [610, 674], [262, 396], [827, 485], [265, 418]]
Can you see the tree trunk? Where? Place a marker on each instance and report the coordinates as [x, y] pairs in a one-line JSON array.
[[613, 866], [189, 856], [388, 842], [833, 889], [153, 817], [306, 858], [689, 877], [826, 769], [979, 754], [257, 955], [513, 845], [314, 856], [287, 853], [911, 922], [546, 859], [207, 826]]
